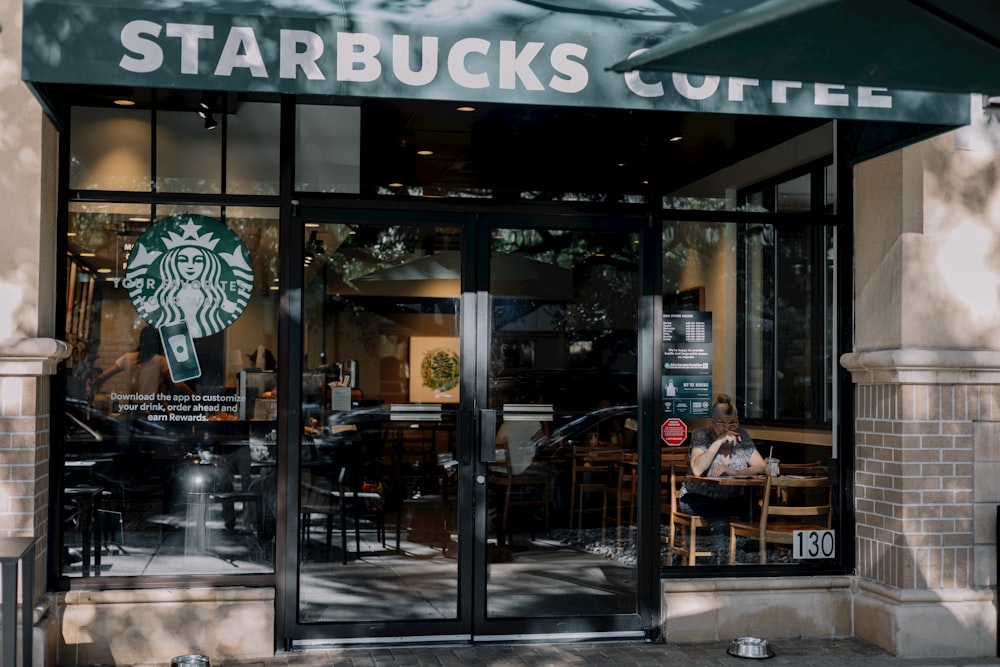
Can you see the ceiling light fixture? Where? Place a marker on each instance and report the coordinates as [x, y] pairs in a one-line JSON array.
[[465, 109], [676, 138], [395, 185], [425, 152], [125, 103], [210, 122]]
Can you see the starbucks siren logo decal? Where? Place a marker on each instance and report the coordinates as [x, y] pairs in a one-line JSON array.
[[189, 268], [189, 277]]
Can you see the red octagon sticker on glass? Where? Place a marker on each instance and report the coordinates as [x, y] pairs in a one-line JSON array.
[[674, 432]]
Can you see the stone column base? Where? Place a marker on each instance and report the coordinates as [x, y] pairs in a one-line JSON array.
[[925, 624], [771, 608], [153, 626]]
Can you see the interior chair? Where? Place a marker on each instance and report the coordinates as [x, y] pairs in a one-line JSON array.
[[669, 457], [516, 491], [622, 494], [808, 510], [591, 474], [686, 548], [318, 495], [814, 469], [408, 462]]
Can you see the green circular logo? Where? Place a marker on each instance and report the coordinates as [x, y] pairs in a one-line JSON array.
[[189, 268]]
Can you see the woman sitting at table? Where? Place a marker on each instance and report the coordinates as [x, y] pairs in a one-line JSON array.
[[721, 450]]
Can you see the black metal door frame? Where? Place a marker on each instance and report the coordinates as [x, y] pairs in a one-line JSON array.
[[472, 623]]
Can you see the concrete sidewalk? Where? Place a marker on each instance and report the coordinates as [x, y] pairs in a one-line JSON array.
[[799, 652]]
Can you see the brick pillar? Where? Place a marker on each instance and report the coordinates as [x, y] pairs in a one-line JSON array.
[[26, 365], [927, 484]]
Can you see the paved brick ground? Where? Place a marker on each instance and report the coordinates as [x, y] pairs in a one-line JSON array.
[[802, 653]]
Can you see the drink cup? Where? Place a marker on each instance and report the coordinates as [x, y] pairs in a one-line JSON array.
[[772, 467]]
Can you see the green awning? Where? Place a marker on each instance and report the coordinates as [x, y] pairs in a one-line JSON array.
[[950, 46]]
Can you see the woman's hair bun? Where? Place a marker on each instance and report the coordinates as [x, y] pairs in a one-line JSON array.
[[724, 398]]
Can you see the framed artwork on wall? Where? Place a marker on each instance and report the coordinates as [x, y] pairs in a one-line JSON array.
[[434, 370]]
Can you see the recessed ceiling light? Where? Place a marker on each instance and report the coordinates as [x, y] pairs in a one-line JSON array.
[[677, 138], [620, 164], [395, 185], [465, 109], [425, 152], [125, 103], [104, 270]]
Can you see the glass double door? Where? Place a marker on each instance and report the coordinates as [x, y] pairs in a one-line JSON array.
[[469, 464]]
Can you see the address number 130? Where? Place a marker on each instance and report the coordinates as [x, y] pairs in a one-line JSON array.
[[813, 544]]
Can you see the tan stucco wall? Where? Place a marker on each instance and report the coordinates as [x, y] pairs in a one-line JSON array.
[[927, 243], [27, 190]]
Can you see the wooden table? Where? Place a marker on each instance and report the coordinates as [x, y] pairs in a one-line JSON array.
[[747, 481]]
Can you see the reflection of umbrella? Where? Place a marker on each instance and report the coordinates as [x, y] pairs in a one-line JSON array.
[[438, 275], [932, 45]]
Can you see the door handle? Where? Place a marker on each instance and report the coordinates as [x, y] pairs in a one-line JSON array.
[[487, 436]]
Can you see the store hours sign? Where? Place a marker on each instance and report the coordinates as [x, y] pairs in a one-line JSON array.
[[687, 364]]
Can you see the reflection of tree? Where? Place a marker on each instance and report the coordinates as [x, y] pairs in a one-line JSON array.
[[604, 268]]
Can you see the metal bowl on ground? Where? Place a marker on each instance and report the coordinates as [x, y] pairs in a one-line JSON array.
[[750, 647]]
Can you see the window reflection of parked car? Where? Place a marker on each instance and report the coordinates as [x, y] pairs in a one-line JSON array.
[[614, 426]]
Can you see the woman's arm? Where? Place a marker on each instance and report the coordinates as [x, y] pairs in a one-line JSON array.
[[701, 459], [756, 465]]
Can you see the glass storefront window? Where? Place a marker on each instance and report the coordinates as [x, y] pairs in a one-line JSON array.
[[252, 146], [188, 156], [747, 313], [327, 149], [169, 436], [110, 149], [794, 195]]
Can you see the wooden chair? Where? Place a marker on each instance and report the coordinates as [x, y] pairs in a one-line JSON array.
[[517, 491], [814, 469], [778, 522], [591, 474], [623, 494], [687, 548]]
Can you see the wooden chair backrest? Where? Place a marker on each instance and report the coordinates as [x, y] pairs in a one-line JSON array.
[[771, 509]]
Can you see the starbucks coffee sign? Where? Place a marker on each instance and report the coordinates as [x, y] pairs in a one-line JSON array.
[[504, 51], [188, 276]]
